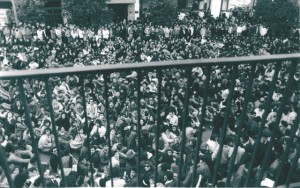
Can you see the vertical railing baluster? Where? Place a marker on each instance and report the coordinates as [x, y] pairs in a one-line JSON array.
[[105, 76], [284, 100], [263, 122], [139, 74], [224, 127], [31, 131], [240, 125], [184, 121], [4, 165], [202, 118], [49, 99], [287, 149], [82, 93], [158, 120]]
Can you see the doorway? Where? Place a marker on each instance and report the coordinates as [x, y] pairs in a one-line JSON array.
[[120, 10]]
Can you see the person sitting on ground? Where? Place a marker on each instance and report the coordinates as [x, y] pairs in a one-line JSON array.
[[77, 142], [46, 141]]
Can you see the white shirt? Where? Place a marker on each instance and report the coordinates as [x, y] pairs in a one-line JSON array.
[[173, 119], [201, 14], [80, 34], [117, 182], [259, 112], [152, 88], [74, 34], [44, 141], [91, 110], [212, 145], [181, 16], [167, 32], [101, 130], [239, 30], [105, 33], [40, 34], [289, 118], [115, 162], [263, 31]]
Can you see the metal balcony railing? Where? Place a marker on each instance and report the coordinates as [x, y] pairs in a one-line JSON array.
[[234, 65]]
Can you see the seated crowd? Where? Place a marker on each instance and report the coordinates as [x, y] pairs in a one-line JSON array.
[[29, 46]]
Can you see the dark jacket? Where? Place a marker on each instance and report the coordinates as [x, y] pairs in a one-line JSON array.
[[132, 182]]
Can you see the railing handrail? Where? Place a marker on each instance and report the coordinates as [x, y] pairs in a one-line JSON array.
[[135, 66]]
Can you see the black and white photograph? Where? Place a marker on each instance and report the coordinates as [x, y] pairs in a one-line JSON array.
[[149, 93]]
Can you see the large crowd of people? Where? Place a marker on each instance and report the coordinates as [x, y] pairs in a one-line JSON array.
[[194, 35]]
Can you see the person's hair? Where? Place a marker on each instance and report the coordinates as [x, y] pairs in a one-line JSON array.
[[70, 180], [169, 175], [20, 179], [98, 121], [245, 136], [82, 157], [113, 153], [119, 146], [21, 144], [13, 138], [9, 147], [47, 129], [257, 119], [133, 169], [47, 121]]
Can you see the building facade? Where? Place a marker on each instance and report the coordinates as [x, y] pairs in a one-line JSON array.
[[132, 9], [125, 9]]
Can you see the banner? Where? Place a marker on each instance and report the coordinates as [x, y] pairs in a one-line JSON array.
[[239, 3]]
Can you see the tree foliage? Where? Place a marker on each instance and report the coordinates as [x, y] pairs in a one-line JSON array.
[[278, 15], [31, 10], [88, 12], [162, 11]]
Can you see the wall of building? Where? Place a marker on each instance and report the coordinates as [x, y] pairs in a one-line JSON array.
[[3, 17], [147, 3], [131, 14], [202, 4], [133, 7], [215, 5], [137, 9]]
